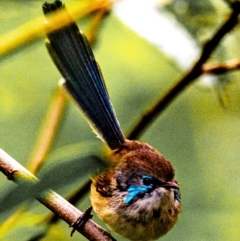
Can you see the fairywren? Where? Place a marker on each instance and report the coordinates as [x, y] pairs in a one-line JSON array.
[[137, 196]]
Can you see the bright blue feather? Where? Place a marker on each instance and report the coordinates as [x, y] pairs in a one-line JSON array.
[[147, 185], [134, 191], [177, 195], [73, 56]]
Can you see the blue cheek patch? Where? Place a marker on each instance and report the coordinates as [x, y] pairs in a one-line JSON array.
[[177, 195], [133, 191]]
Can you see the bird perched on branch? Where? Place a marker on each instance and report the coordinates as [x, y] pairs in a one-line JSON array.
[[137, 196]]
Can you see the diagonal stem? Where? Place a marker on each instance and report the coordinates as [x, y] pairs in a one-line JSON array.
[[190, 76]]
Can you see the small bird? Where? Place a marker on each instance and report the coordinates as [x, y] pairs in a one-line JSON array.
[[137, 196]]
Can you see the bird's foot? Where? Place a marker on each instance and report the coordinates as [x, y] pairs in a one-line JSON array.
[[80, 222]]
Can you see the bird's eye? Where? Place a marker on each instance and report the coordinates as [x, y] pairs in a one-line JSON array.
[[147, 180]]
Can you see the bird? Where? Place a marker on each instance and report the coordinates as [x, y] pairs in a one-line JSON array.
[[137, 196]]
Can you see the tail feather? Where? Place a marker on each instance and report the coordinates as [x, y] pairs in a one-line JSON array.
[[74, 58]]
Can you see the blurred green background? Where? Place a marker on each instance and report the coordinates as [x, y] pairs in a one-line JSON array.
[[199, 132]]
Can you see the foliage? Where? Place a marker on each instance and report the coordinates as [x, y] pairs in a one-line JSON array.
[[196, 132]]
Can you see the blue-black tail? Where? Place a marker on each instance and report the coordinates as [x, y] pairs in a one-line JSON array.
[[73, 57]]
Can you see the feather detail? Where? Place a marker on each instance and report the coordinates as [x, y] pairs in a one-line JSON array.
[[74, 58]]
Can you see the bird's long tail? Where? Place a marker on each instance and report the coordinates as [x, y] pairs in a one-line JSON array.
[[73, 57]]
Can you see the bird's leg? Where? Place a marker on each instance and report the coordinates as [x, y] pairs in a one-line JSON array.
[[80, 222]]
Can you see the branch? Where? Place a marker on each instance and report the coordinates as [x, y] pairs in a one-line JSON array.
[[221, 68], [190, 76], [48, 131], [36, 28], [17, 173]]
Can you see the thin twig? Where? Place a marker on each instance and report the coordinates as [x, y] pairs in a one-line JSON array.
[[36, 28], [48, 131], [73, 199], [221, 68], [67, 212], [190, 76], [95, 24]]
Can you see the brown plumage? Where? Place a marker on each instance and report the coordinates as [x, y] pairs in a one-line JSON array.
[[149, 215]]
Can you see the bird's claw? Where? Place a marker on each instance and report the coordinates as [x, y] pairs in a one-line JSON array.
[[80, 222]]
